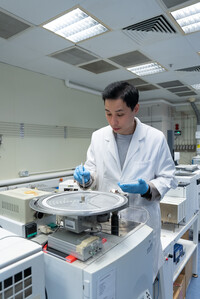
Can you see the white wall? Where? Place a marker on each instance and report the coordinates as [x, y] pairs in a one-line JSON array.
[[35, 99], [44, 104], [157, 115], [164, 117], [185, 117]]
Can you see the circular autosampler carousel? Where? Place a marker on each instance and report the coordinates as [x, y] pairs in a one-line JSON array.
[[79, 203]]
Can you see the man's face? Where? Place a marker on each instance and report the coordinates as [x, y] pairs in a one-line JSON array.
[[120, 117]]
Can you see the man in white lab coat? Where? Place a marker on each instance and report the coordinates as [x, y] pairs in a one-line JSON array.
[[130, 155]]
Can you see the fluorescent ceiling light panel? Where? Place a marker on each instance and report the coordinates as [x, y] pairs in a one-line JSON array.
[[196, 86], [188, 17], [146, 69], [76, 26]]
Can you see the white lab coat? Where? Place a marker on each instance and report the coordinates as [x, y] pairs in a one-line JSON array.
[[148, 157]]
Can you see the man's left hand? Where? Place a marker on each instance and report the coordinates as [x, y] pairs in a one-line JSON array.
[[137, 188]]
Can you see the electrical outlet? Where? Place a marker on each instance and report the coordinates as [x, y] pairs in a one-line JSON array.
[[23, 173]]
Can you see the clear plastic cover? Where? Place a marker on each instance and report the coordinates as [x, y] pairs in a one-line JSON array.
[[131, 218], [135, 214]]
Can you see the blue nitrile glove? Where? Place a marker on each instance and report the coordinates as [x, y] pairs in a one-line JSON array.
[[141, 187], [81, 175]]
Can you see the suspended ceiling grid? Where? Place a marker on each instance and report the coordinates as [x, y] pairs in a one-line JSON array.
[[98, 61]]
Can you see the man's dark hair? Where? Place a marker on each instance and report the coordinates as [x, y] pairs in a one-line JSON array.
[[121, 90]]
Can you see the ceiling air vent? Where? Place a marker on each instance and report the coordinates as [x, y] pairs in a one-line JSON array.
[[147, 87], [98, 67], [130, 59], [136, 81], [186, 94], [74, 56], [179, 89], [190, 69], [155, 24], [10, 26], [172, 3], [142, 85], [169, 84]]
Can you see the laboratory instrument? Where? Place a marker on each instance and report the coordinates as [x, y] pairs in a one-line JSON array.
[[16, 214], [68, 185], [21, 267], [107, 262], [181, 204]]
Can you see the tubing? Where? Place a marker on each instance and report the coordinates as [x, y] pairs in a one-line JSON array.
[[196, 112], [9, 182]]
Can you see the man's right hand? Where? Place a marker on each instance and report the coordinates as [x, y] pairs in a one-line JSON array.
[[81, 175]]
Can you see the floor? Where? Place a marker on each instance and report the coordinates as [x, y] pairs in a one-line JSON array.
[[193, 290]]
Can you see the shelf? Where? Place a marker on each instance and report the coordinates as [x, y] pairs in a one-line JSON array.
[[170, 234], [189, 248]]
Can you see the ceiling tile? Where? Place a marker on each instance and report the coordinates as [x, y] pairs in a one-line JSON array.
[[119, 14], [18, 55], [167, 52], [37, 11], [194, 40], [112, 45], [40, 40]]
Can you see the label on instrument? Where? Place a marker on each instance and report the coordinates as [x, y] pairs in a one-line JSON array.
[[69, 224]]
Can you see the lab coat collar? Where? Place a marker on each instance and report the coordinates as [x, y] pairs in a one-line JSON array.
[[138, 135], [139, 131]]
